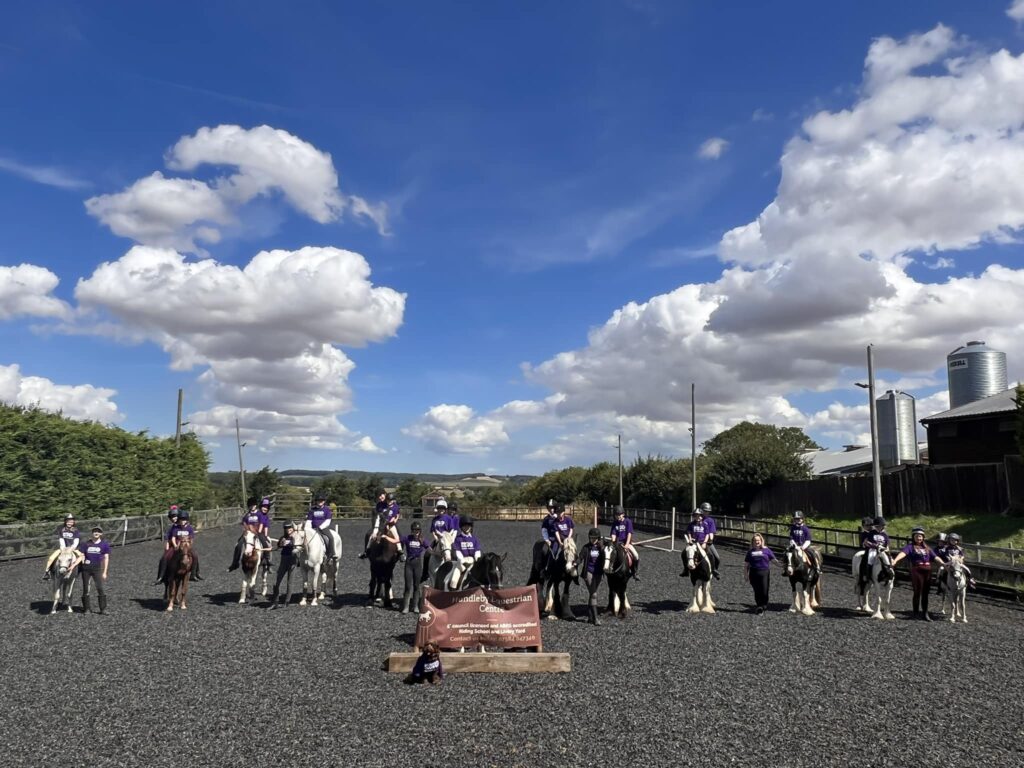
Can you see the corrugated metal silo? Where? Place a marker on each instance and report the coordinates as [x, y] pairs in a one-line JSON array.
[[975, 371], [897, 429]]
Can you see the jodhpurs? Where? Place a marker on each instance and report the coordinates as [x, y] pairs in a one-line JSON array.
[[411, 595], [286, 564], [713, 554], [93, 574], [920, 578], [593, 582], [760, 580]]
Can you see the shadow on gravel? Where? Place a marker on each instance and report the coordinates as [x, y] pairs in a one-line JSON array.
[[658, 607], [150, 603], [43, 607], [406, 637]]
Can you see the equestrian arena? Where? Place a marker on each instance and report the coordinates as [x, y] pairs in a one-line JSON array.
[[226, 684]]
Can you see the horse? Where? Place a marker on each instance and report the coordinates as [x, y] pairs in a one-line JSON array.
[[956, 588], [63, 574], [561, 572], [617, 570], [252, 560], [488, 571], [698, 568], [313, 559], [176, 577], [805, 580], [441, 548], [881, 578], [382, 555]]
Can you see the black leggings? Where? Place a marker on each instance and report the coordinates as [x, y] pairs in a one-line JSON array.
[[593, 581], [93, 574], [413, 571], [760, 581], [921, 579]]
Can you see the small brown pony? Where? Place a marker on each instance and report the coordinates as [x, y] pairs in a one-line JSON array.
[[176, 580]]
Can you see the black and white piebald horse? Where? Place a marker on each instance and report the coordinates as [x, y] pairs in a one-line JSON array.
[[618, 572], [881, 577], [488, 571], [956, 587], [562, 570], [804, 579], [697, 565], [63, 573], [254, 559]]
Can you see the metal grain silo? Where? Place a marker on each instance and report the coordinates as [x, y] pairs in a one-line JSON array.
[[975, 371], [897, 429]]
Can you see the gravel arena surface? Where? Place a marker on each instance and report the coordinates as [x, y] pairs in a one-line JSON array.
[[224, 684]]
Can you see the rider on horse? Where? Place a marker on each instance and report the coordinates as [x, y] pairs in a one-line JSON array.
[[385, 515], [711, 530], [547, 532], [950, 550], [622, 531], [562, 528], [874, 542], [800, 537], [697, 532], [466, 551], [179, 531], [257, 521], [68, 537], [320, 517]]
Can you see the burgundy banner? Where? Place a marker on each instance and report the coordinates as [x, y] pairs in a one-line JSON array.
[[502, 618]]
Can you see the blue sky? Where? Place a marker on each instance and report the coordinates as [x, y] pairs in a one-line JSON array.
[[532, 178]]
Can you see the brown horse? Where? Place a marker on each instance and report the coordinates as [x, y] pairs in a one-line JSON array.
[[177, 575]]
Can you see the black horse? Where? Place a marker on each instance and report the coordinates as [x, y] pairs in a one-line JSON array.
[[804, 578], [616, 568], [555, 580], [382, 555], [488, 571]]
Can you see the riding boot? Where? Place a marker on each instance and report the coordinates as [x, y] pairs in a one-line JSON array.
[[103, 604], [924, 607], [194, 575], [160, 571], [634, 571], [236, 557], [85, 604], [593, 616]]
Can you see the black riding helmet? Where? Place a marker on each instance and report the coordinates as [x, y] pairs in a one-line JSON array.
[[415, 527], [453, 507], [619, 510], [172, 512], [594, 533], [465, 520], [866, 522], [289, 526], [878, 522]]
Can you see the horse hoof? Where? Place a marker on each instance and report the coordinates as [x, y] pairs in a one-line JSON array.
[[808, 612], [168, 609], [693, 609], [889, 617], [69, 609], [552, 617], [183, 607], [878, 616], [709, 609], [792, 610]]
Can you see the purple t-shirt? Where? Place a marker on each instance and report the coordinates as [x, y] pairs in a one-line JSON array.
[[564, 526], [622, 529], [255, 518], [467, 544], [864, 536], [710, 526], [919, 555], [952, 551], [441, 523], [318, 514], [94, 551], [414, 546], [393, 512], [547, 526], [425, 665], [178, 531], [877, 540], [759, 558], [799, 534], [592, 553], [697, 531], [68, 535]]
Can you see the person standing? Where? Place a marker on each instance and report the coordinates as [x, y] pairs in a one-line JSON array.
[[920, 556], [415, 549], [94, 558], [757, 570], [286, 547], [593, 559]]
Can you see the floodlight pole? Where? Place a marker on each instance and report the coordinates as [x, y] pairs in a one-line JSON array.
[[876, 474], [621, 506], [693, 446], [177, 429], [241, 466]]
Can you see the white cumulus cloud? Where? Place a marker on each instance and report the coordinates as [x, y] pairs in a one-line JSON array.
[[457, 429], [713, 148], [77, 401], [25, 291]]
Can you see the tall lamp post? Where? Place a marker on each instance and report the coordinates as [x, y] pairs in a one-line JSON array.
[[876, 473], [241, 466], [620, 473]]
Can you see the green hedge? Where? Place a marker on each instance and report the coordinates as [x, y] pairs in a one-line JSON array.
[[50, 465]]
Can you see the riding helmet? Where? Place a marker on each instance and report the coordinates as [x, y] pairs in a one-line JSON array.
[[705, 507], [551, 504], [594, 533], [619, 510], [415, 527], [68, 516], [390, 497], [878, 521], [441, 504], [97, 529], [289, 524], [798, 515], [454, 506], [866, 522], [698, 512], [265, 502], [916, 531], [953, 538], [183, 515], [465, 520]]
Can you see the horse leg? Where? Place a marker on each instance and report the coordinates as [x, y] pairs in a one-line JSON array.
[[171, 593], [808, 593], [887, 592], [183, 592], [305, 585], [245, 588], [708, 606], [694, 608], [816, 593]]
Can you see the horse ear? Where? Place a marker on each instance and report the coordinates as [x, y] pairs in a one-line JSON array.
[[503, 557]]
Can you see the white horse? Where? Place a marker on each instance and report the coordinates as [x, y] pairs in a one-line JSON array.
[[698, 567], [252, 557], [315, 565], [956, 588], [63, 579], [880, 581]]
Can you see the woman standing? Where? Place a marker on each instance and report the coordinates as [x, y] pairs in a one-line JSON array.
[[756, 570], [94, 557], [920, 556]]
